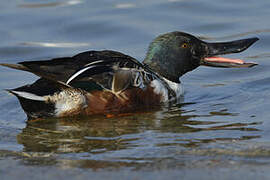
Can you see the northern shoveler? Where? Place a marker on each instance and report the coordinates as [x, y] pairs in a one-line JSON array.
[[102, 82]]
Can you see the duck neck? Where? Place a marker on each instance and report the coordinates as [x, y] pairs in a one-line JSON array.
[[163, 69]]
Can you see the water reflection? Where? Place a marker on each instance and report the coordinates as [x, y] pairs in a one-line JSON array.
[[125, 5], [49, 4], [95, 134], [99, 134], [54, 45]]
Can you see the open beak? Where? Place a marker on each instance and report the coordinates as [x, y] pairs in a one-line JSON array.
[[214, 49]]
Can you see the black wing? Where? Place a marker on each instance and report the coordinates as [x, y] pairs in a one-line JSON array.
[[113, 75], [92, 70]]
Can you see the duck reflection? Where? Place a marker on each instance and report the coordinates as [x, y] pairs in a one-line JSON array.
[[85, 134], [99, 134]]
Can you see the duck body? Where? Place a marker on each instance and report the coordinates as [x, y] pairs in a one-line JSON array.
[[105, 82], [92, 82]]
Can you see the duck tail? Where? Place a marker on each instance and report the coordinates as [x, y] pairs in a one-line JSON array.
[[33, 105], [32, 98], [15, 66]]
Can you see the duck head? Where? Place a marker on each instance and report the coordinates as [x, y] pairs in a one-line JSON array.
[[176, 53]]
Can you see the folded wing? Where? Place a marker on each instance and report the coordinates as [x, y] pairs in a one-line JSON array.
[[92, 70]]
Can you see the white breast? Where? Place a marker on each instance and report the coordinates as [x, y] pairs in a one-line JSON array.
[[159, 88]]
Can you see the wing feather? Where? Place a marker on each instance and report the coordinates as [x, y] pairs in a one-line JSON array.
[[92, 70], [113, 76]]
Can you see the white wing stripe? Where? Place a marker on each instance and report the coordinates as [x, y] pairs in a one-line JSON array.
[[95, 62], [78, 73]]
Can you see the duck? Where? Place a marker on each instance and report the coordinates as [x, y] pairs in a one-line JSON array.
[[109, 82]]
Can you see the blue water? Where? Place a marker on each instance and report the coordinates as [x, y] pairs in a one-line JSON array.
[[222, 126]]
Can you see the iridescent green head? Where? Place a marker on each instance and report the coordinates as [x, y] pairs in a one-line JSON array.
[[173, 54]]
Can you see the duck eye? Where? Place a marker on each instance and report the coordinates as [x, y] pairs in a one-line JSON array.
[[184, 45]]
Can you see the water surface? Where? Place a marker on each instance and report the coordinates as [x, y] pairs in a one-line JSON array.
[[221, 130]]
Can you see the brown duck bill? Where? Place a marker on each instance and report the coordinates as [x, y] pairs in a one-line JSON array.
[[213, 51]]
